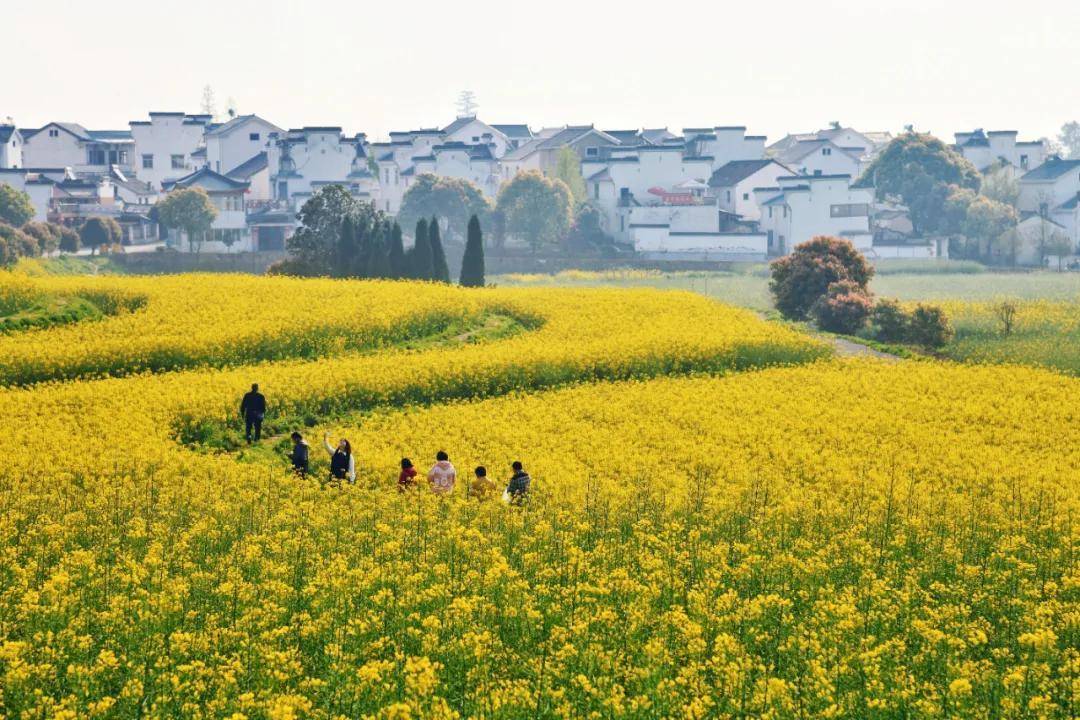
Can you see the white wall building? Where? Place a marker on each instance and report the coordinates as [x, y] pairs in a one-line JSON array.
[[986, 149], [691, 233], [733, 185], [821, 157], [1052, 191], [11, 147], [36, 183], [86, 152], [472, 131], [306, 159], [233, 143], [165, 145], [542, 152], [801, 207]]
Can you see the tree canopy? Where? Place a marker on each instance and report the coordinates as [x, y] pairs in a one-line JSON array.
[[800, 279], [472, 264], [99, 231], [568, 169], [189, 210], [535, 208], [16, 208], [453, 200], [921, 170]]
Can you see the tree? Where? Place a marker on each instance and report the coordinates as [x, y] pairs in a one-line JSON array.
[[315, 242], [347, 253], [379, 258], [568, 169], [16, 208], [799, 279], [472, 264], [536, 208], [190, 211], [97, 232], [1059, 245], [209, 102], [919, 169], [421, 261], [440, 269], [46, 234], [69, 240], [14, 244], [587, 234], [987, 220], [453, 200], [890, 321], [1070, 138], [929, 327], [395, 254], [844, 308], [1001, 185]]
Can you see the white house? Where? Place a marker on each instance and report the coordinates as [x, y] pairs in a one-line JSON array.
[[542, 152], [863, 146], [516, 135], [303, 160], [1038, 234], [821, 157], [166, 144], [722, 144], [691, 233], [475, 163], [86, 152], [232, 143], [801, 207], [255, 172], [229, 232], [733, 185], [11, 146], [469, 130], [986, 149], [1052, 191], [37, 183]]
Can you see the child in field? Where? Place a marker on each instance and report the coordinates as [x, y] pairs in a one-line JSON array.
[[407, 478], [442, 474], [342, 463], [482, 487], [299, 455], [517, 490]]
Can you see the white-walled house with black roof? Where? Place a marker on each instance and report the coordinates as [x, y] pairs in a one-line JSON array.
[[1052, 191], [800, 207], [165, 145], [229, 232], [733, 185], [231, 144], [303, 160], [86, 152], [985, 150], [11, 147]]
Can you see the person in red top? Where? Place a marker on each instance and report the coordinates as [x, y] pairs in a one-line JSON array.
[[407, 478]]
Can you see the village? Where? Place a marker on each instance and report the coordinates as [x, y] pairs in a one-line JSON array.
[[709, 193]]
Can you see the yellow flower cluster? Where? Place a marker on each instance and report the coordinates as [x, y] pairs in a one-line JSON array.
[[838, 539]]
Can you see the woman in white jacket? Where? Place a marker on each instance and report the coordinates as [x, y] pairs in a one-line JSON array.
[[342, 463]]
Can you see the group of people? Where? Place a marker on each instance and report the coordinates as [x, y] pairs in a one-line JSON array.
[[441, 478]]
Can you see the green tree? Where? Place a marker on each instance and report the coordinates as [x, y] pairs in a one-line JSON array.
[[1070, 138], [536, 208], [587, 233], [472, 264], [396, 253], [190, 211], [568, 169], [69, 240], [98, 232], [314, 245], [798, 280], [346, 260], [421, 261], [986, 221], [1001, 185], [453, 200], [919, 169], [440, 271], [1059, 245], [379, 255], [14, 244], [46, 234], [16, 208]]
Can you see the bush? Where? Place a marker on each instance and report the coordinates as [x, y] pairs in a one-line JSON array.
[[929, 327], [294, 266], [801, 278], [69, 240], [844, 308], [46, 234], [15, 244], [890, 322]]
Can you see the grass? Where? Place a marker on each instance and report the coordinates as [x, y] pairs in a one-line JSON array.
[[26, 312], [69, 265]]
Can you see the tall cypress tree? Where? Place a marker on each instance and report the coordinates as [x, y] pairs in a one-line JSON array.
[[379, 260], [440, 270], [422, 261], [396, 253], [345, 253], [472, 265]]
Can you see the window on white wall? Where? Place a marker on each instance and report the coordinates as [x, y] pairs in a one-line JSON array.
[[148, 162], [254, 136], [177, 162], [54, 133]]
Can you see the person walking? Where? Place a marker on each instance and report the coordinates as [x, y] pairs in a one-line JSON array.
[[482, 487], [442, 474], [407, 478], [253, 410], [299, 455], [517, 490], [342, 462]]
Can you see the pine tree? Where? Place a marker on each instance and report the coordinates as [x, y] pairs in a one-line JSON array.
[[396, 254], [379, 262], [472, 265], [440, 270], [422, 266], [345, 255]]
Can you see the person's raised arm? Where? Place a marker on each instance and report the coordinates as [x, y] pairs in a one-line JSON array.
[[352, 468], [326, 443]]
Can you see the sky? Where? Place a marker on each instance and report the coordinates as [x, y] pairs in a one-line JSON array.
[[373, 67]]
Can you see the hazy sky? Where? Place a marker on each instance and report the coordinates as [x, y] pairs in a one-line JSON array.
[[773, 66]]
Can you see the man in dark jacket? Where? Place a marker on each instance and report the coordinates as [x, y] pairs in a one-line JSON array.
[[519, 485], [253, 410], [299, 455]]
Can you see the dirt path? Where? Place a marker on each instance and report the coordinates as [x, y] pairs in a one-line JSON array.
[[847, 348]]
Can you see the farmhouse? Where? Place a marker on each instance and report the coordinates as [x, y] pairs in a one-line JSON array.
[[1052, 191], [800, 207], [229, 232], [86, 152], [11, 146], [733, 185], [305, 159], [986, 150], [232, 143], [166, 145]]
